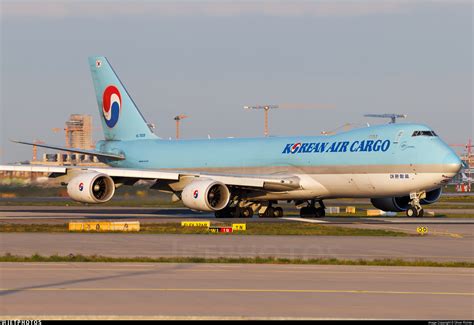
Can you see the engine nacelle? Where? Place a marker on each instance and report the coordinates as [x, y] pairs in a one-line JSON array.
[[205, 195], [399, 204], [394, 204], [91, 188], [432, 196]]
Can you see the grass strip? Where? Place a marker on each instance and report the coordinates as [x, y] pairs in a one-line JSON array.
[[457, 198], [253, 228], [224, 260]]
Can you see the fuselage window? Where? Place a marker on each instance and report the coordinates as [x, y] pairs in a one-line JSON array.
[[424, 133]]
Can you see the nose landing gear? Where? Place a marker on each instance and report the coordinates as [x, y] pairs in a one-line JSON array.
[[415, 209]]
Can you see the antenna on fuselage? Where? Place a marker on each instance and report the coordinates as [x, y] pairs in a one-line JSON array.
[[392, 117]]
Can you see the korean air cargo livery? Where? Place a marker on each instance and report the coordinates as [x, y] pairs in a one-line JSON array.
[[399, 167]]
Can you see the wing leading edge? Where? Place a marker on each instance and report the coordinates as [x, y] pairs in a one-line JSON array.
[[98, 154], [266, 182]]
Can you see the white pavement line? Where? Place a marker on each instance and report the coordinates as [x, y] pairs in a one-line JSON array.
[[167, 317], [427, 221], [305, 220], [69, 217], [102, 216]]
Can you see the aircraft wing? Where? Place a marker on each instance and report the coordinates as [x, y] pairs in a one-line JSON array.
[[178, 178], [99, 154]]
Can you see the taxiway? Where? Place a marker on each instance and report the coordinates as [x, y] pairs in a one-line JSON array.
[[104, 290]]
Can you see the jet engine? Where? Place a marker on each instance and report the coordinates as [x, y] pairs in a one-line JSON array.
[[205, 195], [432, 196], [395, 204], [91, 188], [399, 204]]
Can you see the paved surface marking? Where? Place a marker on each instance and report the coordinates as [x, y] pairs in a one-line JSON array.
[[248, 290], [305, 220]]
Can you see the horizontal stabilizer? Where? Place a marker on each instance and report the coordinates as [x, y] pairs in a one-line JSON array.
[[74, 150]]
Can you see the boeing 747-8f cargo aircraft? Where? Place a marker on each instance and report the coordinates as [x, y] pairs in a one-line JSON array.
[[400, 167]]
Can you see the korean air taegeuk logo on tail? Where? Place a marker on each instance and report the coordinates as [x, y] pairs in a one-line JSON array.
[[111, 105]]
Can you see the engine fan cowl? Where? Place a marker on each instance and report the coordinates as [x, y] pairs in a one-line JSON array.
[[432, 196], [399, 204], [205, 195], [393, 204], [91, 188]]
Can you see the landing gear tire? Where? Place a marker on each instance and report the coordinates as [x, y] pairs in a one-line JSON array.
[[268, 213], [277, 212], [307, 212], [310, 211], [224, 213], [413, 212], [272, 212], [234, 212], [246, 212], [320, 212]]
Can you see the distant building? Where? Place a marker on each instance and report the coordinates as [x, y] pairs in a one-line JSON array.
[[79, 132]]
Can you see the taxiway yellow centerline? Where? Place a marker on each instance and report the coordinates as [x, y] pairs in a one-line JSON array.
[[245, 290], [249, 271]]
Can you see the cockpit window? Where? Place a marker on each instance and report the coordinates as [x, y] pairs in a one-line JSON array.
[[424, 133]]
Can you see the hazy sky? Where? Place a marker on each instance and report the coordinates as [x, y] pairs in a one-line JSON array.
[[208, 59]]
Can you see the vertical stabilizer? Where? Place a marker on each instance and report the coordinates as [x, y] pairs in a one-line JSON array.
[[120, 117]]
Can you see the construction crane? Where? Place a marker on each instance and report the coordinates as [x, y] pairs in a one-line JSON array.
[[391, 116], [178, 119], [35, 149], [464, 183], [346, 127], [468, 147], [267, 108]]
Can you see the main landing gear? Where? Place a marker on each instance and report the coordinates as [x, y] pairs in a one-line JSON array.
[[235, 212], [264, 211], [311, 211], [415, 209], [272, 212]]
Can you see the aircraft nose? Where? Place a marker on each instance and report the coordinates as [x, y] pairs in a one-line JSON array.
[[452, 163]]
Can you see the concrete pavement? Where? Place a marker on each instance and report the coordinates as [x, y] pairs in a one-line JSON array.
[[436, 248], [235, 291]]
